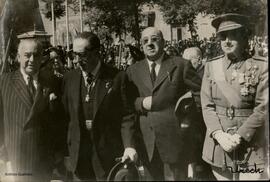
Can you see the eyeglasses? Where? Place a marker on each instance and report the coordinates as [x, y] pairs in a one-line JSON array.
[[79, 54], [153, 39]]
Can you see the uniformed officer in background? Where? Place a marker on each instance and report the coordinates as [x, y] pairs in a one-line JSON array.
[[234, 97]]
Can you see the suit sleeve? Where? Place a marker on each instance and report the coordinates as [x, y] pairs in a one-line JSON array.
[[129, 115], [210, 116], [135, 101], [258, 118]]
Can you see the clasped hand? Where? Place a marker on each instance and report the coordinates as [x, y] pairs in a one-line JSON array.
[[227, 141]]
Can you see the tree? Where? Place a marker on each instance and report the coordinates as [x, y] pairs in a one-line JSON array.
[[120, 16], [184, 12], [59, 8]]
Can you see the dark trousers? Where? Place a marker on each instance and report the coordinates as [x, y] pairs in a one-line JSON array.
[[84, 170], [157, 170], [89, 167]]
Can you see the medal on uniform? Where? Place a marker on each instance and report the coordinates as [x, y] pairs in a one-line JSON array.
[[255, 67], [253, 82], [244, 91], [252, 90], [241, 78], [234, 75]]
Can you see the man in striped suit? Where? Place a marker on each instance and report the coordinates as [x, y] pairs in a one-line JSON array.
[[27, 125]]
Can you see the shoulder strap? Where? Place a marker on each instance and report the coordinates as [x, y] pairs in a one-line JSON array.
[[219, 76]]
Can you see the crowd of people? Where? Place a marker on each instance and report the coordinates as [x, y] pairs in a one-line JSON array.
[[167, 111], [122, 57]]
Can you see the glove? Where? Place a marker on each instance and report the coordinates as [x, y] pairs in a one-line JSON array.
[[226, 140]]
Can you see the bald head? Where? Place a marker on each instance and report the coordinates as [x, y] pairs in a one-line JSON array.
[[192, 52], [153, 43], [152, 30], [194, 55]]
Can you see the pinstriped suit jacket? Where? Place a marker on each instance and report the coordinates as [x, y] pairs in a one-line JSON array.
[[25, 136]]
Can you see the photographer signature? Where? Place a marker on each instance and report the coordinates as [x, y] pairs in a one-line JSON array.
[[246, 170]]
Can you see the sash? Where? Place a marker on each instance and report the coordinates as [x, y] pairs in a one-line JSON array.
[[226, 89]]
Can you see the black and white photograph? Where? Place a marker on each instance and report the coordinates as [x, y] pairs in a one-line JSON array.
[[134, 90]]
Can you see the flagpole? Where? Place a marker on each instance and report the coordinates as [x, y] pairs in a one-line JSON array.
[[53, 23], [81, 16], [67, 30]]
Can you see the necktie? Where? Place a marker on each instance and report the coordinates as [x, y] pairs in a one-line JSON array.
[[31, 87], [89, 84], [153, 73]]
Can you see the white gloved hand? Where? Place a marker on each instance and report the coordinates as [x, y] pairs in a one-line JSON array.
[[130, 153], [225, 140], [237, 138]]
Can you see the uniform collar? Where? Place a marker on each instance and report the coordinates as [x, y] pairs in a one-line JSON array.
[[229, 62]]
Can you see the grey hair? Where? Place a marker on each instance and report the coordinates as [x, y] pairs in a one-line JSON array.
[[191, 51], [37, 41]]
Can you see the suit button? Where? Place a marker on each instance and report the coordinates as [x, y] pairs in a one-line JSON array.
[[151, 128]]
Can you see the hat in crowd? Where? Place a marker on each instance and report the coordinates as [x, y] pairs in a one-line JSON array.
[[229, 21], [124, 172], [34, 34]]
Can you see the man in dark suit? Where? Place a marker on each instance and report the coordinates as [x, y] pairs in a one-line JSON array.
[[27, 116], [153, 87], [93, 105]]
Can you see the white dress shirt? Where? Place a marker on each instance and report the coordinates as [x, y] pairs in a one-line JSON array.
[[158, 64], [25, 78]]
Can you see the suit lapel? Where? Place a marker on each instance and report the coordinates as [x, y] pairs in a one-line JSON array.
[[21, 89], [167, 66], [76, 89], [41, 101], [104, 83], [144, 73]]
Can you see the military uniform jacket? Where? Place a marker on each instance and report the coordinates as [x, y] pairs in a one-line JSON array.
[[159, 126], [235, 96]]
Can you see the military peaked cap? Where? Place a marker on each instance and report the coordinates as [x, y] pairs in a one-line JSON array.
[[229, 21]]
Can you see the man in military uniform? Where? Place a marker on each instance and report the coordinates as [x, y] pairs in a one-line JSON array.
[[234, 103]]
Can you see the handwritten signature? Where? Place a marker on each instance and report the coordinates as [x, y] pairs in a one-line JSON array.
[[245, 169]]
